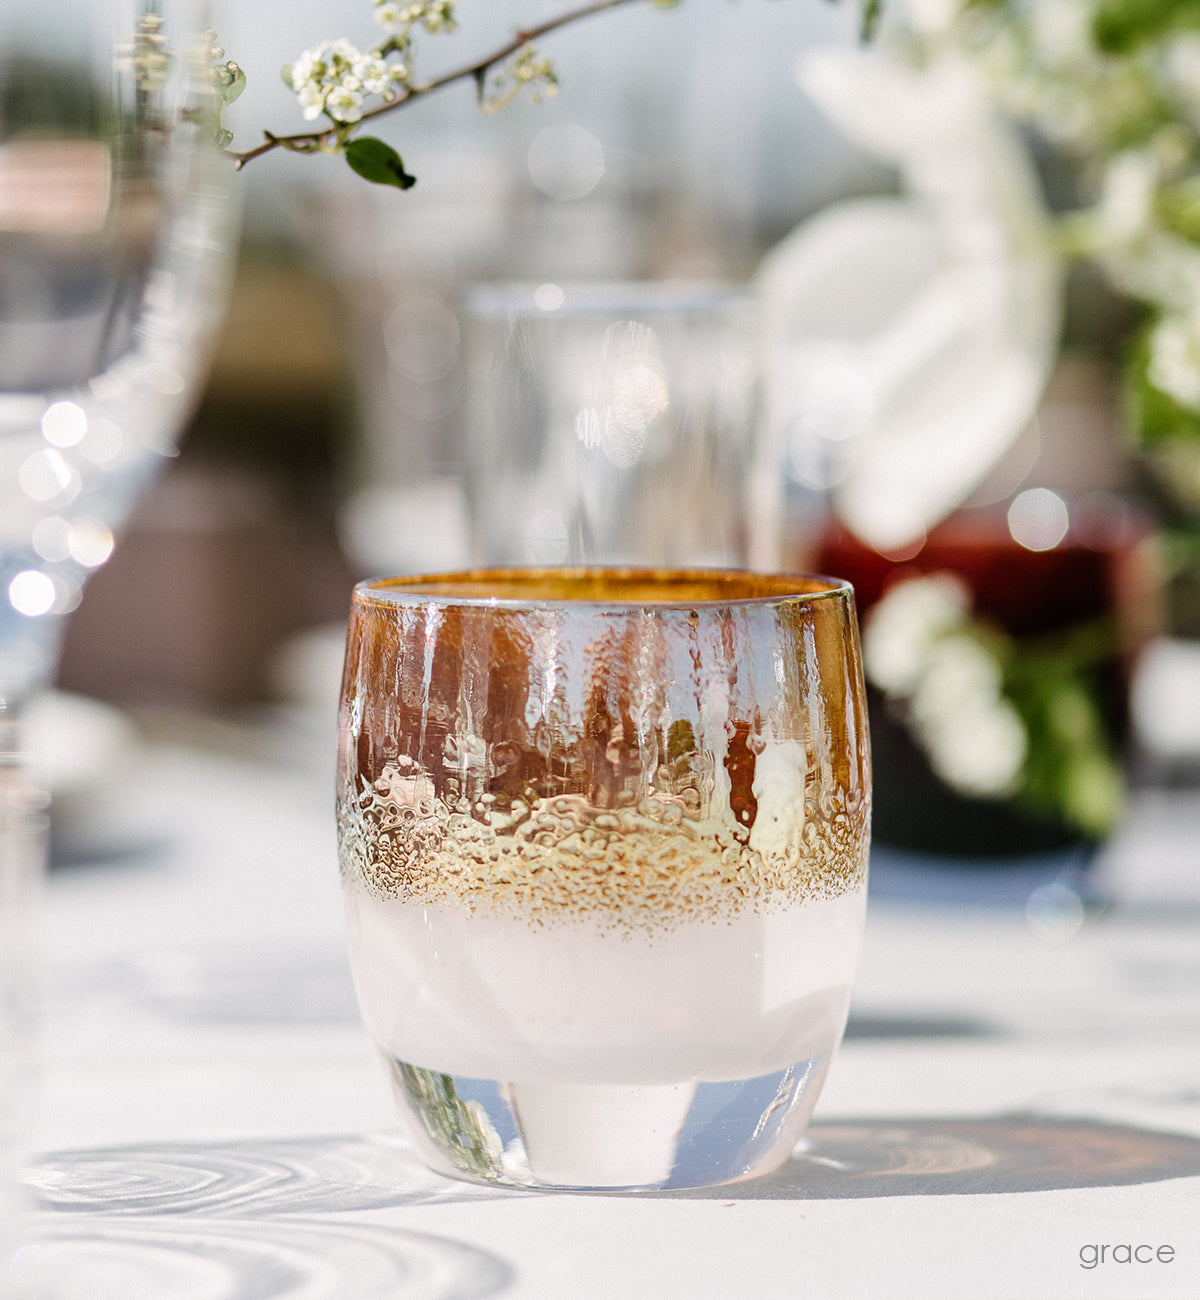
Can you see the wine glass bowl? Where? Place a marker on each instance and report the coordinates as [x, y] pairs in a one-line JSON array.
[[116, 230], [117, 233]]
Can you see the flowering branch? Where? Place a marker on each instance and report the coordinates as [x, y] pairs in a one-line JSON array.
[[334, 78]]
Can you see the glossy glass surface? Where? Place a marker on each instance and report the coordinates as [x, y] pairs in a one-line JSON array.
[[603, 840]]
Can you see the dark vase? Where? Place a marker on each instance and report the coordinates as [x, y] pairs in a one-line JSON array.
[[1101, 576]]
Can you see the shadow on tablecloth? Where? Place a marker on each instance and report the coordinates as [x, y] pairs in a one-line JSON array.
[[1019, 1152], [1010, 1153], [269, 1217]]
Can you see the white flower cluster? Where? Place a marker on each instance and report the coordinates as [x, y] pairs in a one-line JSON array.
[[919, 648], [1125, 234], [1131, 119], [529, 71], [1174, 364], [335, 77], [433, 15]]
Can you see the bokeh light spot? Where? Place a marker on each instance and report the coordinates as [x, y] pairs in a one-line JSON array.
[[1038, 519]]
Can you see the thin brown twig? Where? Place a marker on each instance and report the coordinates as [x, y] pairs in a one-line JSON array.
[[313, 141]]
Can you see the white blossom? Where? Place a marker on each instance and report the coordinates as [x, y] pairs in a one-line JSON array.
[[1127, 198], [343, 55], [344, 103], [374, 75], [312, 101], [973, 737], [1181, 73], [309, 68], [979, 750], [335, 77], [387, 14], [1174, 364], [932, 17], [906, 624], [433, 15], [1062, 31], [919, 647], [957, 674]]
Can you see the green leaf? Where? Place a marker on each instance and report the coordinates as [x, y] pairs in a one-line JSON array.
[[1178, 207], [1122, 26], [872, 16], [1155, 417], [231, 89], [378, 162]]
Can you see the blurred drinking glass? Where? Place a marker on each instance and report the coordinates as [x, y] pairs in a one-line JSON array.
[[616, 423]]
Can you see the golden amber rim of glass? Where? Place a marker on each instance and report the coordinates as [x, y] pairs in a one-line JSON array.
[[600, 586]]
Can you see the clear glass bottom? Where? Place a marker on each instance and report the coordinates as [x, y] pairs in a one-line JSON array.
[[593, 1137]]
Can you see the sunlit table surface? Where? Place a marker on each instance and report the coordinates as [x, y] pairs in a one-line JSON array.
[[1015, 1111]]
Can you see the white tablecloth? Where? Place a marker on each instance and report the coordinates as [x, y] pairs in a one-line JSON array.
[[211, 1122]]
